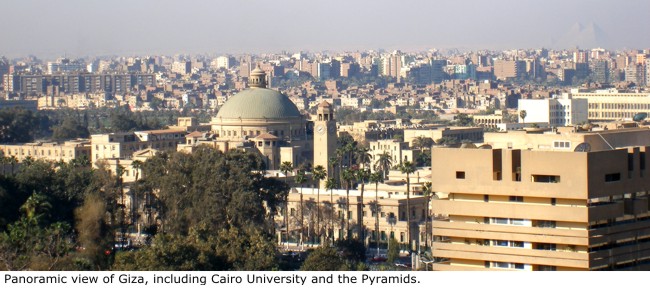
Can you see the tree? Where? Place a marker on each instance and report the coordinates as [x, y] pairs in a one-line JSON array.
[[285, 168], [393, 250], [408, 168], [463, 119], [70, 129], [376, 177], [325, 258], [330, 184], [423, 144], [523, 115], [384, 163], [347, 175], [36, 207], [318, 174], [301, 179], [362, 176], [427, 190]]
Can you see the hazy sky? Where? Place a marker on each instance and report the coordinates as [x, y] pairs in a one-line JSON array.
[[49, 28]]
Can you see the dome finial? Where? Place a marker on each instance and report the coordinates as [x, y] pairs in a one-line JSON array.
[[257, 78]]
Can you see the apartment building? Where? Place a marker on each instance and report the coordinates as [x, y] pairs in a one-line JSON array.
[[554, 111], [538, 208], [398, 150], [123, 145], [610, 104]]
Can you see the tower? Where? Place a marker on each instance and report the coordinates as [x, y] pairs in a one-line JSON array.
[[324, 137]]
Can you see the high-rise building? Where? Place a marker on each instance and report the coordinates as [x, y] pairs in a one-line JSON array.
[[224, 62], [182, 67], [636, 73], [437, 70], [350, 69], [509, 69], [561, 201], [600, 71]]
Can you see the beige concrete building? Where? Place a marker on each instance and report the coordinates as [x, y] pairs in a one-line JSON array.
[[123, 145], [391, 198], [52, 151], [489, 121], [472, 134], [264, 116], [610, 104], [398, 150], [536, 206]]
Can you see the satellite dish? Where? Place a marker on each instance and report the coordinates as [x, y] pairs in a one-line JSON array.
[[640, 117], [583, 147], [485, 146]]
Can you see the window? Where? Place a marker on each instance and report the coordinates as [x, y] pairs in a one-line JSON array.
[[548, 247], [553, 201], [562, 144], [499, 221], [486, 198], [517, 199], [517, 244], [546, 224], [545, 179], [546, 268], [613, 177], [460, 175]]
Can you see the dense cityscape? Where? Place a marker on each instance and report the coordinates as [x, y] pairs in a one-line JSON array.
[[367, 160]]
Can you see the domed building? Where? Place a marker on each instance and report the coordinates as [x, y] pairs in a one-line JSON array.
[[265, 119]]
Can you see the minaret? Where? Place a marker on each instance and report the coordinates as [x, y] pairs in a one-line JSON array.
[[257, 78], [325, 137]]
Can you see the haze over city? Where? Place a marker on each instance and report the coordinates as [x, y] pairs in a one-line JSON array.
[[82, 28]]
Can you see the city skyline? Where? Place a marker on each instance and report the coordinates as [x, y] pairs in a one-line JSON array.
[[81, 28]]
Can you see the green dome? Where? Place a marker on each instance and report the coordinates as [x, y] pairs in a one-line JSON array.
[[258, 103]]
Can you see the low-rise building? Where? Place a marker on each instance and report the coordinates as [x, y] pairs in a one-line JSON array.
[[52, 151]]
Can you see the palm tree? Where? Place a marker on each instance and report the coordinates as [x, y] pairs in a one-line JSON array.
[[319, 174], [4, 160], [136, 165], [363, 156], [523, 114], [408, 168], [421, 143], [427, 190], [347, 175], [36, 206], [285, 168], [300, 179], [329, 185], [384, 163], [376, 177], [350, 149], [362, 176], [13, 161]]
